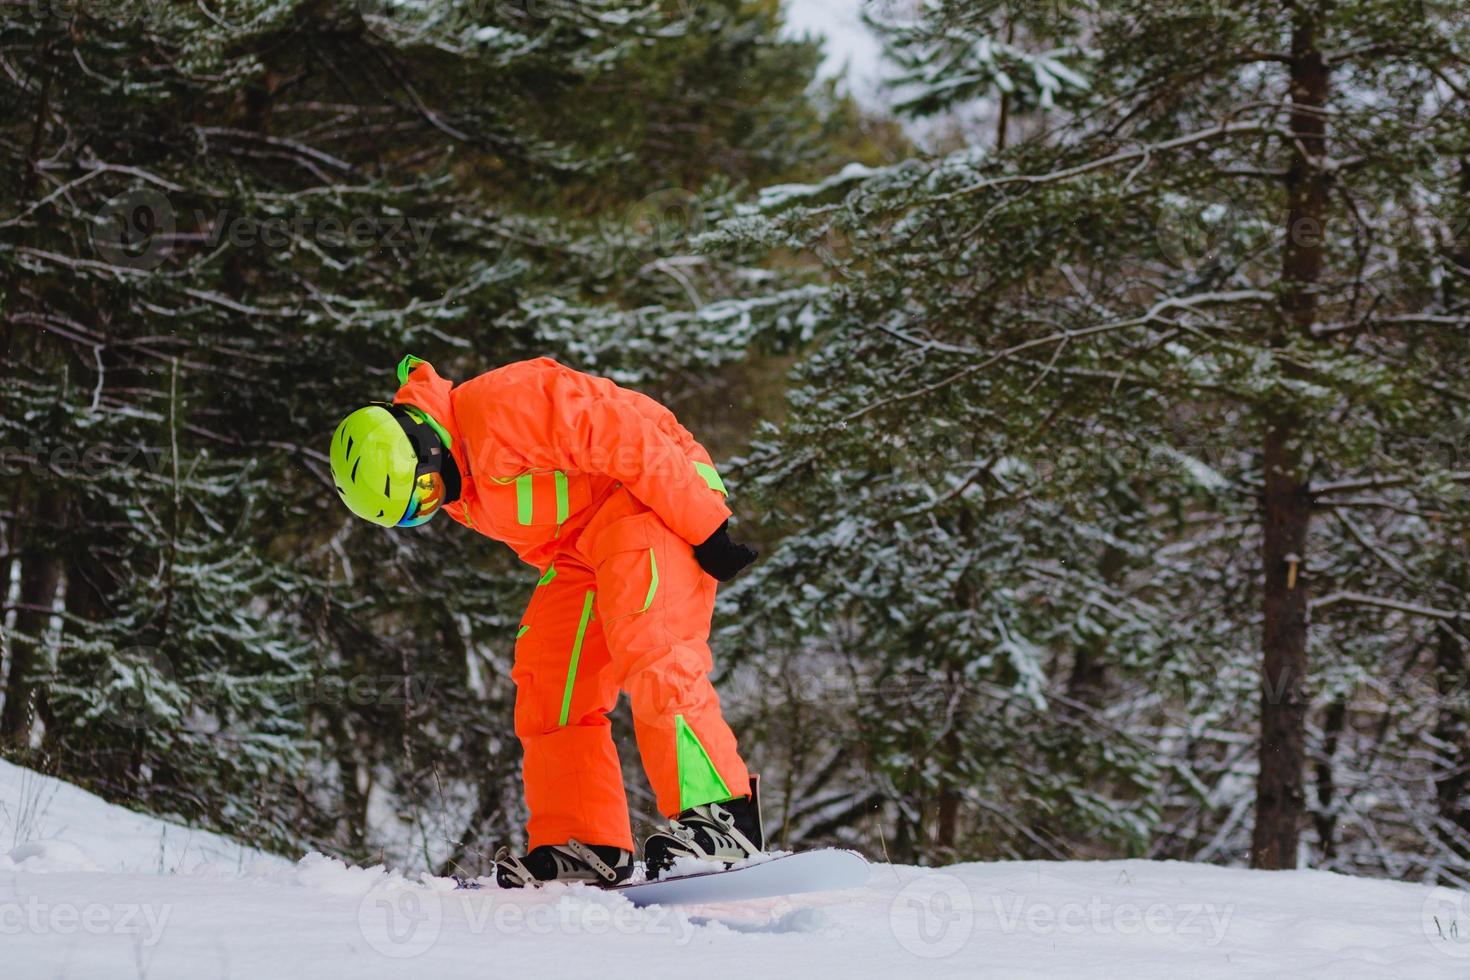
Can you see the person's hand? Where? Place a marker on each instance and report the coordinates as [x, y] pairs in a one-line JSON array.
[[721, 557]]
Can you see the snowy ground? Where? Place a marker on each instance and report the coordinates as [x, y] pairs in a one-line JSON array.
[[46, 825], [90, 890]]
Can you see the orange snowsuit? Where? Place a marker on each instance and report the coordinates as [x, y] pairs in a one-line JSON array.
[[605, 493]]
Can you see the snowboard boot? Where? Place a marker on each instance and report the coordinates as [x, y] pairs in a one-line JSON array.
[[720, 833], [598, 864]]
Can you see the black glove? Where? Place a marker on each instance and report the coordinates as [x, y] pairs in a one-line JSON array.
[[722, 557]]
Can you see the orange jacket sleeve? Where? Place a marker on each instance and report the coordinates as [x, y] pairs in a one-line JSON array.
[[555, 418]]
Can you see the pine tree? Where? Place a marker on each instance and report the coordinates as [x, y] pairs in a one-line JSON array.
[[1138, 418]]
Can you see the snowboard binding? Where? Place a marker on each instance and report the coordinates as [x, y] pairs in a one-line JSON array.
[[720, 833], [598, 864]]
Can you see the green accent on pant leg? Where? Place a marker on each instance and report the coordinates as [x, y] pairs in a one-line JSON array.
[[550, 574], [563, 504], [523, 498], [707, 472], [652, 580], [521, 632], [566, 697], [699, 780]]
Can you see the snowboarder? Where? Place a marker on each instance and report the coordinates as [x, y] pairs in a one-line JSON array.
[[623, 514]]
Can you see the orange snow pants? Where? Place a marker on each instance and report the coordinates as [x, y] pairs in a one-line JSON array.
[[626, 608]]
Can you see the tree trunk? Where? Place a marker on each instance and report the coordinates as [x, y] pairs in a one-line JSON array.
[[1326, 818], [40, 576], [1452, 732], [1003, 122], [1280, 799], [1087, 681], [947, 824]]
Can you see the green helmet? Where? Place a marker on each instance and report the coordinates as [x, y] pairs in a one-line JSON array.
[[373, 465]]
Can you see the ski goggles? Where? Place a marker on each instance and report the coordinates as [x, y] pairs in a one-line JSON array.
[[428, 496]]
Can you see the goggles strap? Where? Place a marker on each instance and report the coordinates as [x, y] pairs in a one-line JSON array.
[[433, 455]]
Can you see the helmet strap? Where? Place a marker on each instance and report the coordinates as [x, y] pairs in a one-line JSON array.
[[449, 469]]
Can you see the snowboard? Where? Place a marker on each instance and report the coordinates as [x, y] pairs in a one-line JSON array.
[[787, 874]]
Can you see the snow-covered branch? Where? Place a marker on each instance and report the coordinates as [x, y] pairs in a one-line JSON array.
[[1121, 157], [1383, 602], [1155, 314], [1380, 482]]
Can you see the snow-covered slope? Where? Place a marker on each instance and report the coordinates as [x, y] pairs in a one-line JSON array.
[[49, 825], [164, 908]]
